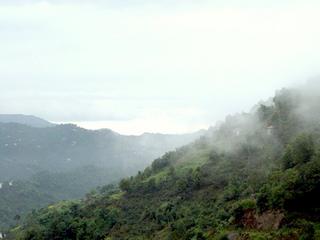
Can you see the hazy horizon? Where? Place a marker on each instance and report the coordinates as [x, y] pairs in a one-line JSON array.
[[146, 66]]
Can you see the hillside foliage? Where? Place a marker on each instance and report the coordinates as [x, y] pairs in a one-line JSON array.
[[255, 176], [40, 166]]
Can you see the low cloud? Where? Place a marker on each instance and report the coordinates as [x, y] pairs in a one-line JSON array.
[[94, 61]]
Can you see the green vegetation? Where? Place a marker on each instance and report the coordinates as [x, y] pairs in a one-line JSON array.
[[64, 162], [257, 176]]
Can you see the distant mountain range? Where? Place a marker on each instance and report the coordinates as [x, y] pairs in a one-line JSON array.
[[26, 150], [41, 163]]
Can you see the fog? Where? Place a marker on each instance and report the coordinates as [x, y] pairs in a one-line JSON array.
[[207, 110], [145, 66], [289, 111]]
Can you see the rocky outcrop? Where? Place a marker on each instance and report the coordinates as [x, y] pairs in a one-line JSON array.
[[269, 220]]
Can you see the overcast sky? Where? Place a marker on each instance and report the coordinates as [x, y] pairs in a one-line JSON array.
[[157, 66]]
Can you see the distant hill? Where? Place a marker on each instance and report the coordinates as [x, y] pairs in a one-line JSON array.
[[65, 161], [28, 120], [26, 150]]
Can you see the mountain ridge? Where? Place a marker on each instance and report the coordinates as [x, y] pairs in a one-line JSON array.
[[65, 162], [28, 120]]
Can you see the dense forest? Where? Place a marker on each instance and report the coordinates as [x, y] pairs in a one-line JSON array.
[[254, 176]]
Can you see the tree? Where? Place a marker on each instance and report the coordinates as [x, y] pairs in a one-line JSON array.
[[125, 184], [299, 151]]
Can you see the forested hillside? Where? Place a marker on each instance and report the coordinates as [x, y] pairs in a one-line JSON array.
[[26, 150], [39, 166], [255, 176]]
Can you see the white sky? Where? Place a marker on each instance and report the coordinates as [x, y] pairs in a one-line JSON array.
[[155, 66]]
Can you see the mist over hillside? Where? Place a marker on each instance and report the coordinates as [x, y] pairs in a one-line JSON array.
[[27, 150], [39, 166], [159, 120], [254, 176]]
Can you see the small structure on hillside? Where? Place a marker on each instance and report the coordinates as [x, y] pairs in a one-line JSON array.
[[270, 129]]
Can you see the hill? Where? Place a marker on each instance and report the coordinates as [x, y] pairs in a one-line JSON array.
[[25, 150], [28, 120], [256, 176], [62, 162]]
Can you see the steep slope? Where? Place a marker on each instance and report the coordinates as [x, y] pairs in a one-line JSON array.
[[256, 176], [28, 120]]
